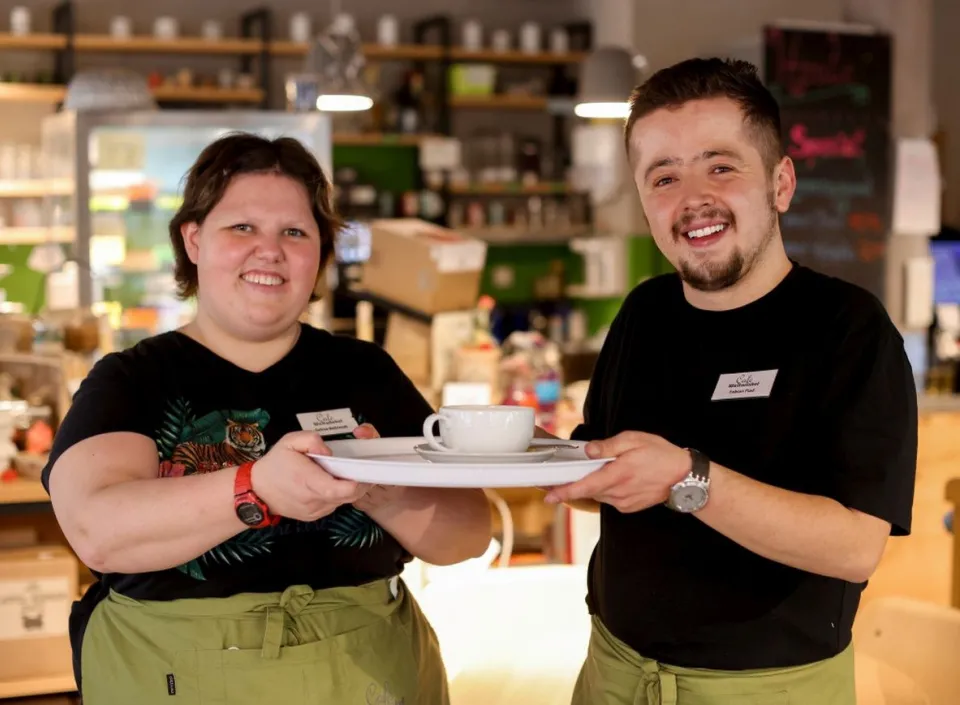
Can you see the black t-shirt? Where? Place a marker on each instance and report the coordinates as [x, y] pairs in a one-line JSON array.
[[205, 413], [839, 421]]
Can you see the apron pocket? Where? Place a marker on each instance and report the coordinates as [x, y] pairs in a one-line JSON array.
[[375, 661]]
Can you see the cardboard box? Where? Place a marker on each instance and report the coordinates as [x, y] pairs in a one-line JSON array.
[[38, 586], [426, 351], [423, 266]]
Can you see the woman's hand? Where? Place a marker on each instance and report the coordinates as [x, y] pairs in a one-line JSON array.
[[295, 486], [377, 496]]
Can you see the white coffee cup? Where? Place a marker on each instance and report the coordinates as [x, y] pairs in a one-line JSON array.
[[481, 429]]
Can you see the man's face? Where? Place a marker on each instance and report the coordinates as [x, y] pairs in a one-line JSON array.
[[710, 200]]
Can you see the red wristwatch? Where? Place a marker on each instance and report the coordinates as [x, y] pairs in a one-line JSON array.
[[251, 510]]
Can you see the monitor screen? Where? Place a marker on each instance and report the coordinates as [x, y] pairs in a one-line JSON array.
[[946, 278]]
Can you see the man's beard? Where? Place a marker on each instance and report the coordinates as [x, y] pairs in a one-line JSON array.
[[716, 276]]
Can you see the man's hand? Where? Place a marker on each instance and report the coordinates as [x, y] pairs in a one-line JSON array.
[[643, 469]]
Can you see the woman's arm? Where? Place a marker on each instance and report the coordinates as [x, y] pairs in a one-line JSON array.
[[439, 526], [120, 517]]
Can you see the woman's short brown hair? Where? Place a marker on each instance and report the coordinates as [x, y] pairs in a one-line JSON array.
[[244, 153]]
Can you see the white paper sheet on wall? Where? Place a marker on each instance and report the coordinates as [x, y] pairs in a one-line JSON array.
[[917, 188], [918, 292]]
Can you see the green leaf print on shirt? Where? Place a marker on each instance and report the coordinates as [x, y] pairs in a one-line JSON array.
[[187, 445], [352, 528]]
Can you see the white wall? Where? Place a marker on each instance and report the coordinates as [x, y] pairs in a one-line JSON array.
[[667, 32]]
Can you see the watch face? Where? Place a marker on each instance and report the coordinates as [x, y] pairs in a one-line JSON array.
[[690, 498], [249, 513]]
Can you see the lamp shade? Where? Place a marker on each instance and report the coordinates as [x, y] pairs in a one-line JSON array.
[[336, 59], [607, 77]]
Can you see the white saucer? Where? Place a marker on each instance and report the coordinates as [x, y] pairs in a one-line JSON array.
[[532, 455]]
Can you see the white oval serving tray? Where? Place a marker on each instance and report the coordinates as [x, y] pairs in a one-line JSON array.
[[394, 461]]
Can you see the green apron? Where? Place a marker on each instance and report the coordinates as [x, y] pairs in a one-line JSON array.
[[367, 644], [614, 674]]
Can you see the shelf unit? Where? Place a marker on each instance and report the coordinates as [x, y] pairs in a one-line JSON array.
[[502, 189], [367, 139], [255, 49], [518, 236], [250, 48], [182, 45], [41, 93], [39, 42], [491, 56], [502, 101]]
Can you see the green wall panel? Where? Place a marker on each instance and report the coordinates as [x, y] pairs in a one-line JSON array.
[[391, 167], [22, 284]]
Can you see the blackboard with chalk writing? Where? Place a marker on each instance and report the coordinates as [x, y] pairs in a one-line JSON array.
[[834, 91]]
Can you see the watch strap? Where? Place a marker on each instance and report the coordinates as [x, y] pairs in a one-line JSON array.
[[244, 480], [243, 494], [700, 467]]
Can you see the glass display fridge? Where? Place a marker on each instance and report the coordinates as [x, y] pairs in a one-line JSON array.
[[121, 176]]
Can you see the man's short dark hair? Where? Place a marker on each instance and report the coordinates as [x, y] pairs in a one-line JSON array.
[[699, 79]]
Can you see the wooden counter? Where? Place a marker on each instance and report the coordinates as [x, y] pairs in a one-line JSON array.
[[920, 565]]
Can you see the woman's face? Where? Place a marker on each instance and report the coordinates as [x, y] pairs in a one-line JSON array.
[[257, 256]]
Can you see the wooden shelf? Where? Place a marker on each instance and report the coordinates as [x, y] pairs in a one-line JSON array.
[[199, 45], [21, 491], [515, 57], [184, 45], [508, 189], [31, 93], [32, 41], [199, 94], [35, 236], [518, 236], [372, 52], [500, 102], [34, 188], [378, 139], [36, 93]]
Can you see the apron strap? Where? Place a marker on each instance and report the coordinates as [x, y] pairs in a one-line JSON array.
[[657, 687], [273, 633]]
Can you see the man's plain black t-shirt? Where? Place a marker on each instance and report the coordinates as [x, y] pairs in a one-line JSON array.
[[205, 413], [839, 421]]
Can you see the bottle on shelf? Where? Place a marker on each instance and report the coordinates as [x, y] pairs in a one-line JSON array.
[[408, 103]]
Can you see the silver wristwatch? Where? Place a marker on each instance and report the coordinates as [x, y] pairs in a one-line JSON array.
[[693, 491]]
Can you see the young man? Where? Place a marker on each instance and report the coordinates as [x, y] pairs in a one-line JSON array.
[[763, 420]]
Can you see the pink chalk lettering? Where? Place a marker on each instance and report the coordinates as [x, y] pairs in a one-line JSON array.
[[799, 75], [838, 146]]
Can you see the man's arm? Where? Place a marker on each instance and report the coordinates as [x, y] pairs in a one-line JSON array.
[[808, 532]]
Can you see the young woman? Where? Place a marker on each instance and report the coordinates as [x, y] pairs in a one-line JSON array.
[[231, 568]]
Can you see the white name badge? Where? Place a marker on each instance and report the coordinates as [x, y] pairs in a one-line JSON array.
[[744, 385], [328, 423]]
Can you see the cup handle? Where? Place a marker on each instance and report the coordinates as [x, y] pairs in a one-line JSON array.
[[428, 432]]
